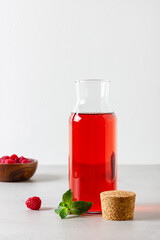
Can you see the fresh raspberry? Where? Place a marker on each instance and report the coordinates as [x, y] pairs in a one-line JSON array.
[[20, 159], [33, 203], [2, 161], [9, 161], [25, 160], [14, 157], [4, 157]]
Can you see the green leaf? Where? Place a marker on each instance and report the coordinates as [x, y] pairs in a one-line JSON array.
[[67, 205], [61, 205], [80, 207], [64, 212], [67, 197], [58, 209]]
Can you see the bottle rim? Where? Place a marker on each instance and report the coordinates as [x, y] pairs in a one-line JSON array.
[[92, 80]]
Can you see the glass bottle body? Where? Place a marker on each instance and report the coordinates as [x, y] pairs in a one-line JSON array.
[[92, 144]]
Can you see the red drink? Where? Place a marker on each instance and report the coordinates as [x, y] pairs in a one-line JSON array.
[[92, 156]]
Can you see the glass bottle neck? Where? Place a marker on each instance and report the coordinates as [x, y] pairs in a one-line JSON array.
[[92, 96]]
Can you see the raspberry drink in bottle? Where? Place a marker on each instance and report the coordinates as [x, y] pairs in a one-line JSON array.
[[92, 143]]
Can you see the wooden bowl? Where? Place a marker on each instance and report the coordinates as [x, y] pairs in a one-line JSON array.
[[17, 172]]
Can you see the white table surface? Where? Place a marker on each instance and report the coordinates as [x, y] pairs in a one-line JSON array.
[[18, 222]]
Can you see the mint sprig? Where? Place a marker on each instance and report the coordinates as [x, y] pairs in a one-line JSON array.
[[67, 197], [69, 206]]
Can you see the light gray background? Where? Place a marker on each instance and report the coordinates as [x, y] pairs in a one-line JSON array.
[[46, 44]]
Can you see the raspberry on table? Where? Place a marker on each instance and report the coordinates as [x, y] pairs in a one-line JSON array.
[[33, 203]]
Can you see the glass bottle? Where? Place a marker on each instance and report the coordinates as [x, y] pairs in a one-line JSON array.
[[92, 143]]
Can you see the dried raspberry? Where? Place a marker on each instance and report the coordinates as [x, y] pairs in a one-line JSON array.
[[9, 161], [33, 203], [14, 157]]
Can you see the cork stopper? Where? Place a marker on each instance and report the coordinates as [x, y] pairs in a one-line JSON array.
[[118, 205]]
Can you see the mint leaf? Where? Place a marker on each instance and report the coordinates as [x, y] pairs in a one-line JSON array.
[[58, 209], [63, 212], [68, 206], [67, 197], [61, 205], [80, 207]]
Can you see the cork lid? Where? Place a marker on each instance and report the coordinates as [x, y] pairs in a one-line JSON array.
[[118, 204], [118, 194]]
